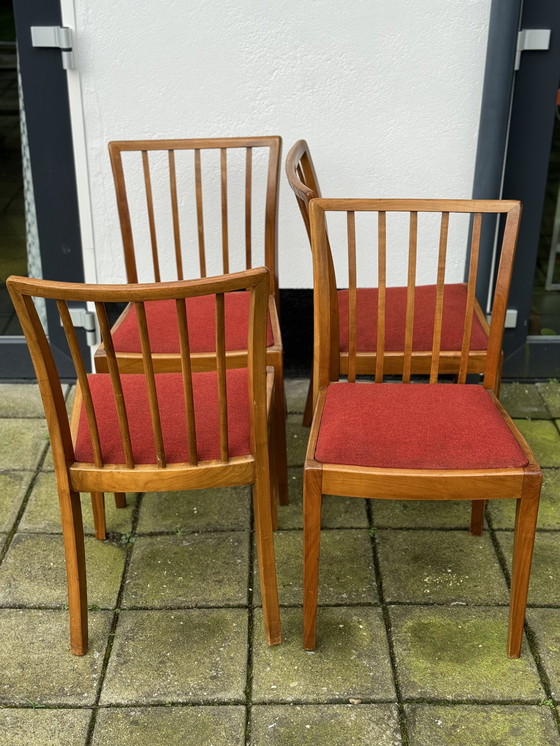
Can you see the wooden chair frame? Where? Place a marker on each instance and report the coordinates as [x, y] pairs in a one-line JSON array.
[[74, 477], [522, 484]]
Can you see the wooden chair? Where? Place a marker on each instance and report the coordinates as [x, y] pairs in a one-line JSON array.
[[177, 201], [405, 440], [156, 431]]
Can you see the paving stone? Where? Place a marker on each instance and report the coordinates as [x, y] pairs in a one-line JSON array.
[[346, 574], [523, 400], [187, 571], [42, 513], [544, 440], [22, 400], [502, 512], [12, 491], [481, 725], [544, 625], [455, 652], [36, 727], [48, 463], [34, 574], [440, 567], [3, 538], [421, 513], [23, 444], [37, 666], [296, 440], [195, 655], [550, 392], [351, 660], [335, 725], [544, 587], [296, 394], [224, 509], [174, 726]]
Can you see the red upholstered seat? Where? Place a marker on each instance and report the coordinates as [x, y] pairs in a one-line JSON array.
[[201, 315], [173, 421], [454, 304], [415, 426]]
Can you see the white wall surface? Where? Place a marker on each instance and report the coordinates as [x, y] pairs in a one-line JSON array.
[[386, 92]]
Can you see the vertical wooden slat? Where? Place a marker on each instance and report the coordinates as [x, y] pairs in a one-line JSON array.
[[381, 292], [221, 375], [248, 207], [199, 213], [150, 382], [151, 217], [186, 370], [438, 311], [352, 295], [175, 213], [82, 380], [471, 288], [410, 295], [225, 232]]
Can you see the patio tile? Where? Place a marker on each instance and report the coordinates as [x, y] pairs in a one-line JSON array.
[[173, 726], [502, 512], [550, 392], [34, 574], [23, 444], [187, 571], [42, 513], [12, 491], [544, 587], [544, 440], [335, 725], [346, 574], [37, 666], [36, 727], [224, 509], [523, 400], [545, 627], [2, 540], [440, 567], [48, 463], [421, 513], [477, 725], [460, 653], [22, 400], [351, 660], [296, 440], [296, 394], [195, 655]]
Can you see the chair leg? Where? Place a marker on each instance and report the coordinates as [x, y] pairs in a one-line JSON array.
[[279, 435], [264, 539], [120, 499], [312, 499], [308, 411], [477, 517], [98, 508], [524, 539], [72, 530]]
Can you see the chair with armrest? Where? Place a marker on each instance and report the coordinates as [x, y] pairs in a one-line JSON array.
[[153, 431], [431, 440]]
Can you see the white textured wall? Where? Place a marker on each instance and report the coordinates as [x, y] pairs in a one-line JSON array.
[[387, 93]]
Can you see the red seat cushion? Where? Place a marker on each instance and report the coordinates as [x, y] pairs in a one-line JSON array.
[[163, 328], [169, 389], [415, 426], [454, 305]]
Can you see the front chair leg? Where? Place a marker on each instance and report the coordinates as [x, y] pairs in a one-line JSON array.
[[477, 517], [73, 534], [264, 539], [312, 499]]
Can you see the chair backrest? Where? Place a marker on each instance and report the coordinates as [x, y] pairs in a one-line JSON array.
[[302, 179], [175, 193], [433, 221], [23, 290]]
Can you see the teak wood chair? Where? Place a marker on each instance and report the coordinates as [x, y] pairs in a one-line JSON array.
[[407, 440], [174, 197], [156, 431]]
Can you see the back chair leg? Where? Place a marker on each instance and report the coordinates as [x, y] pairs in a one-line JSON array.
[[308, 411], [73, 533], [477, 517], [279, 437], [98, 508], [312, 499], [264, 539], [120, 499]]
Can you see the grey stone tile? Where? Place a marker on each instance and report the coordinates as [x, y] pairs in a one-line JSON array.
[[335, 725], [451, 653], [187, 571], [544, 440], [220, 725], [296, 440], [23, 444], [195, 655], [481, 725], [545, 627], [12, 491], [351, 660], [544, 586], [296, 394], [550, 392], [223, 509], [33, 572], [440, 567], [502, 512], [37, 666], [36, 727], [22, 400], [523, 400], [346, 574], [421, 513]]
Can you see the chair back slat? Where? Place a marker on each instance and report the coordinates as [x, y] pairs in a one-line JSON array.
[[186, 370], [410, 293], [151, 215], [471, 288], [438, 310], [224, 195], [381, 293], [199, 212], [248, 207], [352, 296], [221, 375], [175, 214]]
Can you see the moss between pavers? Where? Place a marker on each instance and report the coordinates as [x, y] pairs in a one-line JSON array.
[[195, 655], [544, 586], [332, 725], [346, 574], [172, 726], [296, 440], [440, 567], [544, 439], [481, 725], [421, 513], [187, 571], [544, 624], [23, 444], [36, 727], [523, 400], [351, 660], [455, 652], [37, 666], [33, 572], [502, 512], [12, 491], [550, 392]]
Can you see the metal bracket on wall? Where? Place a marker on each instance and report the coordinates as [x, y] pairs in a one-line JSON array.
[[84, 319], [531, 40], [59, 37]]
